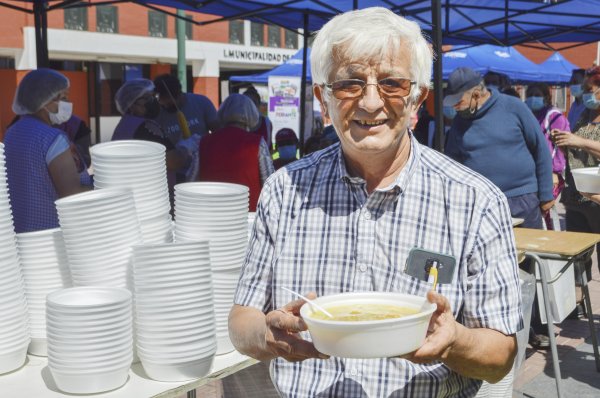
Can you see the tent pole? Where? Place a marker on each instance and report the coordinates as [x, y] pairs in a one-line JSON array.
[[436, 19], [355, 4], [305, 35], [41, 33], [181, 64]]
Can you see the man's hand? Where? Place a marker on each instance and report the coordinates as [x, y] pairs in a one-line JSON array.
[[282, 338], [592, 196], [546, 206], [441, 335]]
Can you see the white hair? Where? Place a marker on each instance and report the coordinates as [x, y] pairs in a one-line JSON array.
[[368, 34]]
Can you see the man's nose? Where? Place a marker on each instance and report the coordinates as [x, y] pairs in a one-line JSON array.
[[371, 99]]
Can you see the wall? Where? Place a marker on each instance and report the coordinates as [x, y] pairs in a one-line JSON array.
[[583, 56], [208, 86]]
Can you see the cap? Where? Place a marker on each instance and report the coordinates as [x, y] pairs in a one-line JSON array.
[[286, 135], [459, 81]]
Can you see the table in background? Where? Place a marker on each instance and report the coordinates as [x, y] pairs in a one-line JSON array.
[[34, 380], [572, 247]]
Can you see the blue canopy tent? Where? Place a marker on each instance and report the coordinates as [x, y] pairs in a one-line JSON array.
[[557, 69], [291, 67], [471, 22]]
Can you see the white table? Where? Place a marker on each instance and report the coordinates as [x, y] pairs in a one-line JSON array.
[[35, 381]]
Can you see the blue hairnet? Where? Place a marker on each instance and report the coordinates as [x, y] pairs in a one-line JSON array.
[[37, 89], [129, 92]]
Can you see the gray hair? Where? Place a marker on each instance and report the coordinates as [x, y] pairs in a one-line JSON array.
[[368, 34], [239, 110], [37, 89], [130, 92]]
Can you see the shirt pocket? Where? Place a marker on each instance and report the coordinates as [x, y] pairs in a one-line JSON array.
[[404, 283]]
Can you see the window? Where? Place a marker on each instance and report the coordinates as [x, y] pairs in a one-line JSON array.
[[236, 32], [7, 63], [107, 20], [157, 24], [291, 39], [257, 34], [274, 36], [76, 18]]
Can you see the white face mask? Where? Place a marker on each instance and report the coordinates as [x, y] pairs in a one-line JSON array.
[[65, 110]]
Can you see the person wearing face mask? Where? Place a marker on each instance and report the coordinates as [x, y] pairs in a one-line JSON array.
[[286, 144], [577, 106], [498, 136], [550, 118], [234, 154], [583, 150], [39, 163], [137, 103]]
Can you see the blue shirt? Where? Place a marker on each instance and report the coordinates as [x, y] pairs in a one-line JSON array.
[[504, 142], [32, 192], [317, 229], [575, 113]]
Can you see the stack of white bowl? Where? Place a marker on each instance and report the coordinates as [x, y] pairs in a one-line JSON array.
[[140, 166], [14, 331], [174, 319], [217, 212], [46, 269], [90, 338], [99, 228]]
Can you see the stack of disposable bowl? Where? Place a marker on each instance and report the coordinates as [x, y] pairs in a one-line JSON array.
[[14, 330], [46, 269], [140, 166], [99, 228], [90, 338], [174, 315], [217, 212]]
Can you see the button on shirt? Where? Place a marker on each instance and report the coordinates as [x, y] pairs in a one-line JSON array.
[[317, 229]]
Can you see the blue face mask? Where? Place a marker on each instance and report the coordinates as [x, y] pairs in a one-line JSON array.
[[535, 103], [287, 152], [590, 101], [576, 90], [449, 112]]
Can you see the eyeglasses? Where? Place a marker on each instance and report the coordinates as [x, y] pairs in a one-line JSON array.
[[390, 87]]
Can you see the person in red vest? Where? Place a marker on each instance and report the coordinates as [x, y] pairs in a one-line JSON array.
[[233, 154], [286, 144]]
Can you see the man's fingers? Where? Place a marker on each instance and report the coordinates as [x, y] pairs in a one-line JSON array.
[[292, 347], [280, 319], [294, 306]]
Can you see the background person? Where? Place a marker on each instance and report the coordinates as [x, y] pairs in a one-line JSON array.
[[539, 101], [264, 128], [576, 89], [582, 150], [345, 218], [286, 144], [497, 136], [39, 163], [233, 154], [137, 103], [80, 135]]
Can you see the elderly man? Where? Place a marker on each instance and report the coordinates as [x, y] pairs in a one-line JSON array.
[[498, 136], [345, 219]]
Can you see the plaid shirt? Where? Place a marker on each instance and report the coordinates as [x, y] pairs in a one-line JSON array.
[[317, 229]]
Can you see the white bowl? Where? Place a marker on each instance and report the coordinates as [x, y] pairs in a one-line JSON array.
[[91, 199], [364, 339], [38, 347], [86, 299], [13, 359], [173, 372], [92, 382], [587, 179], [127, 149]]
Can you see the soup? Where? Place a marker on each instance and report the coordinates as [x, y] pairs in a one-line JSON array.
[[364, 312]]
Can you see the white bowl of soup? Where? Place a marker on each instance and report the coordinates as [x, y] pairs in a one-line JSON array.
[[368, 324]]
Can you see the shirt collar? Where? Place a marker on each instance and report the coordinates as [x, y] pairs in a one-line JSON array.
[[402, 180]]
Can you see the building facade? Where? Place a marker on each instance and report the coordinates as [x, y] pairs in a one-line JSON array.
[[101, 47]]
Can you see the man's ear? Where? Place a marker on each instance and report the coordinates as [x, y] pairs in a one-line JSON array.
[[318, 92]]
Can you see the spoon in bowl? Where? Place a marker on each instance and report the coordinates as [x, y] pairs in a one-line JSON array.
[[308, 301]]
